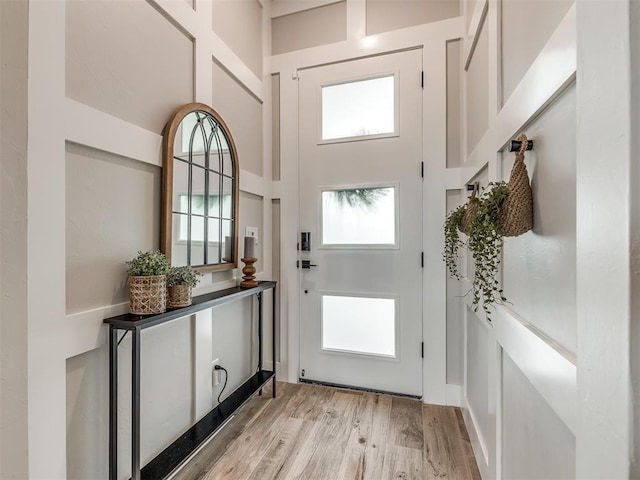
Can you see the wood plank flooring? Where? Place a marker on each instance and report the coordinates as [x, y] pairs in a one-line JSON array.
[[318, 433]]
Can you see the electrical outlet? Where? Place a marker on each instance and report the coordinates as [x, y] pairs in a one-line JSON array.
[[252, 232], [216, 373]]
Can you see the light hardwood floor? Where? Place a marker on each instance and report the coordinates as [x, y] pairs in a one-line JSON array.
[[318, 433]]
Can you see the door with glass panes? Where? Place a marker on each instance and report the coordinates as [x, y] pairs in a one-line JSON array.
[[360, 144]]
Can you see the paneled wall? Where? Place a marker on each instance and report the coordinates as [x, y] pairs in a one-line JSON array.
[[387, 15], [14, 18], [103, 79], [309, 28], [520, 366]]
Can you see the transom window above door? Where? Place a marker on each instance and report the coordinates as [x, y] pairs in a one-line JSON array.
[[359, 109]]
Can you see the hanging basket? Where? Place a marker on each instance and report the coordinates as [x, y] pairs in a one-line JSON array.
[[178, 296], [147, 295], [469, 210], [516, 212]]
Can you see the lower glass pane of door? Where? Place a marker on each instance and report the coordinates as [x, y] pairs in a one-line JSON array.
[[360, 325]]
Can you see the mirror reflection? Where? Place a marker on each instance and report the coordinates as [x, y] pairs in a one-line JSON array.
[[200, 190]]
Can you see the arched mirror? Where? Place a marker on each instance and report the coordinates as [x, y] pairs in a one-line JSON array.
[[199, 190]]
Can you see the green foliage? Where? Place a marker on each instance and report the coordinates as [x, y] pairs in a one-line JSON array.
[[147, 264], [485, 244], [183, 276], [452, 241], [484, 241], [359, 197]]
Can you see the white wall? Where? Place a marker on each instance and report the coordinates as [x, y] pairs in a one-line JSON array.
[[504, 358], [547, 383], [606, 226], [102, 82], [455, 328], [635, 229]]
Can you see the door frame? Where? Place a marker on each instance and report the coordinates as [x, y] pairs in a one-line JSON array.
[[432, 39]]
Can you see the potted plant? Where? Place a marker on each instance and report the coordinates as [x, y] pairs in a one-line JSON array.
[[180, 281], [503, 210], [148, 283]]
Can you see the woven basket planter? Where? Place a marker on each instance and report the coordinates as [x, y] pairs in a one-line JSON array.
[[469, 211], [516, 212], [178, 296], [147, 295]]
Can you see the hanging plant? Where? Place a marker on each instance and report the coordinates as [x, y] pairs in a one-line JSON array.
[[485, 244], [452, 241], [503, 210], [480, 219]]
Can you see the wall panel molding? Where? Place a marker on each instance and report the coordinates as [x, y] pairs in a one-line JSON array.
[[550, 74], [53, 335], [87, 126], [199, 27], [551, 369], [382, 43], [473, 34]]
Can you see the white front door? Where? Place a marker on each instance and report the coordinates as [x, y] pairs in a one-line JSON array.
[[360, 140]]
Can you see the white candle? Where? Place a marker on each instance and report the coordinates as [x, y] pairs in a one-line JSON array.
[[249, 247], [227, 249]]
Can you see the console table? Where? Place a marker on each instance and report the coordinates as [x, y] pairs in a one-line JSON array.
[[181, 450]]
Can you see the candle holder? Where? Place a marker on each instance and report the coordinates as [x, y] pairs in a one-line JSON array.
[[249, 271]]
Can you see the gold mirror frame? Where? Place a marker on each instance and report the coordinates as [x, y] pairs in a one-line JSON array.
[[168, 145]]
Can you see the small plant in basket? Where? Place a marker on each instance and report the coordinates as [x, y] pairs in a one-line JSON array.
[[503, 210], [180, 281], [148, 283]]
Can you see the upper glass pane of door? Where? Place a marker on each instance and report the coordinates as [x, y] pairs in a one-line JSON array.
[[362, 108]]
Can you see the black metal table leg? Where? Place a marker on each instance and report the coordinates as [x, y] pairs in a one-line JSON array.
[[135, 404], [259, 295], [273, 340], [113, 402]]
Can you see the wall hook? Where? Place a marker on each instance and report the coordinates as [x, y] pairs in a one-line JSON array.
[[473, 187], [516, 144]]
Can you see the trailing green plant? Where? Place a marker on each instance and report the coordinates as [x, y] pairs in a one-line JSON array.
[[183, 276], [485, 244], [148, 264], [485, 241], [452, 241]]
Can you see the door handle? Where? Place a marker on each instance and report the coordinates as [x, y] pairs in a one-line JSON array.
[[306, 264]]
